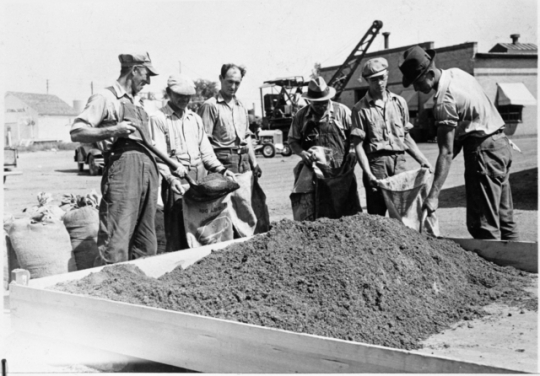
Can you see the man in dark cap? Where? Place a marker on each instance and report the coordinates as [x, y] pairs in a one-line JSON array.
[[129, 185], [381, 134], [321, 132], [179, 133], [467, 119]]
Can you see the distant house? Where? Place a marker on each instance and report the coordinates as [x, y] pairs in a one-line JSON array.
[[37, 117]]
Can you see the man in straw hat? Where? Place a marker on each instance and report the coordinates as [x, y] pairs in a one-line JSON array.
[[381, 134], [467, 119], [320, 134], [130, 179], [179, 133]]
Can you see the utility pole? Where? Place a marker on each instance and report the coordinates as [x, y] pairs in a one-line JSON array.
[[91, 87], [47, 86]]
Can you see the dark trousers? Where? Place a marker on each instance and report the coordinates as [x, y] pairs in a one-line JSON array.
[[489, 198], [237, 163], [383, 164], [173, 213], [128, 207]]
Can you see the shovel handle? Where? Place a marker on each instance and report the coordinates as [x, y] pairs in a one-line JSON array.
[[423, 219]]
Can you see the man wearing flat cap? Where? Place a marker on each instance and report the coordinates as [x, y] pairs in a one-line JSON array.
[[179, 133], [322, 131], [467, 119], [112, 120], [381, 134]]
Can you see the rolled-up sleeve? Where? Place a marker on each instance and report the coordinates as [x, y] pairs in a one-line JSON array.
[[158, 125], [445, 113], [93, 114], [210, 161], [208, 114], [357, 125]]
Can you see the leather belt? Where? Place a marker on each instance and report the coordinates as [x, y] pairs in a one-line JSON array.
[[240, 150]]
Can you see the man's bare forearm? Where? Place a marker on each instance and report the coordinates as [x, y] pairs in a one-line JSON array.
[[414, 151], [89, 135]]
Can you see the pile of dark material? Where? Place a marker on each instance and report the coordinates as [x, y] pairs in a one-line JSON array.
[[362, 278]]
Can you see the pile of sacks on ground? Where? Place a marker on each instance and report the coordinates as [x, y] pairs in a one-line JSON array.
[[53, 239]]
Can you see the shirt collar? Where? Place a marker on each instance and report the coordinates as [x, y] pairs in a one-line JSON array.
[[219, 98], [121, 92], [444, 81], [168, 110], [370, 99]]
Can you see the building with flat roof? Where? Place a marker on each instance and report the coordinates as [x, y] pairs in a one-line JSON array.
[[508, 74]]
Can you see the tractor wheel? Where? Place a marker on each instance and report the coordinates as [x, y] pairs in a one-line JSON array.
[[268, 151], [94, 170], [287, 151]]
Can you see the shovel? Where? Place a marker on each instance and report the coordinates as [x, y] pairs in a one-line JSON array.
[[168, 161], [424, 216]]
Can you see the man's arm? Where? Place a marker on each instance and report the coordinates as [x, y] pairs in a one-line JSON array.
[[445, 139], [415, 152], [208, 114], [363, 159]]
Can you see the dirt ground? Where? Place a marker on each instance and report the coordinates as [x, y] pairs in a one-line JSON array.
[[56, 173]]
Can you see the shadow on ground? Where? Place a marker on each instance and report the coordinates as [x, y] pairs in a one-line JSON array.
[[524, 192]]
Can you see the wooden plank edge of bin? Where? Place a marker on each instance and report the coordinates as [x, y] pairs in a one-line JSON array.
[[520, 255], [208, 344]]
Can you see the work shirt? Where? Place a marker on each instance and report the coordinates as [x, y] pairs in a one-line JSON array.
[[226, 124], [381, 125], [461, 102], [183, 138], [103, 110], [332, 130]]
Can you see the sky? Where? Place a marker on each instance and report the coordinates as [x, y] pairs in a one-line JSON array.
[[70, 44]]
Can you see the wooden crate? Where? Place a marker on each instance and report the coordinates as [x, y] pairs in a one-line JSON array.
[[207, 344]]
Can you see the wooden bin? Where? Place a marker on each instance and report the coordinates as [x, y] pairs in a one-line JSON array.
[[206, 344]]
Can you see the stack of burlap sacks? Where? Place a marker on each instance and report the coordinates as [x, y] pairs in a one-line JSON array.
[[53, 239]]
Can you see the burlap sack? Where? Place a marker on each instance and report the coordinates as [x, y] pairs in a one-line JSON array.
[[82, 225]]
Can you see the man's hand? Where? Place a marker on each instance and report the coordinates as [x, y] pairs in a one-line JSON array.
[[373, 181], [430, 204], [307, 157], [176, 187], [124, 129], [257, 171], [229, 174], [180, 171], [427, 165]]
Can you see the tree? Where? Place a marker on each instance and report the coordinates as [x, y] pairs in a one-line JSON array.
[[205, 88]]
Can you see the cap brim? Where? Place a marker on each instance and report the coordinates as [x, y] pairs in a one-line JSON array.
[[182, 91], [377, 74], [407, 81], [151, 69], [330, 95]]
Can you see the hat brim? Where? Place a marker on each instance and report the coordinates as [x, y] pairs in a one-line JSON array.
[[408, 82], [376, 74], [182, 91], [151, 69], [330, 95]]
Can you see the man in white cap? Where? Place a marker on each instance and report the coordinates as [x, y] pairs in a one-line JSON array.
[[179, 132], [325, 124], [381, 134], [130, 180]]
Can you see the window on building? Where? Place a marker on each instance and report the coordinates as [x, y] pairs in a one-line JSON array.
[[511, 113]]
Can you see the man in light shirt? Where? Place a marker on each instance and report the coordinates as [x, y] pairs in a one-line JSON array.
[[179, 132], [467, 119], [130, 181]]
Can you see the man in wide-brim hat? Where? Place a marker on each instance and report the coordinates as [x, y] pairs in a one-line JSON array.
[[322, 123], [381, 134], [466, 118]]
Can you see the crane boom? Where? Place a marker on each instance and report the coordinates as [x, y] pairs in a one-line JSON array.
[[342, 76]]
